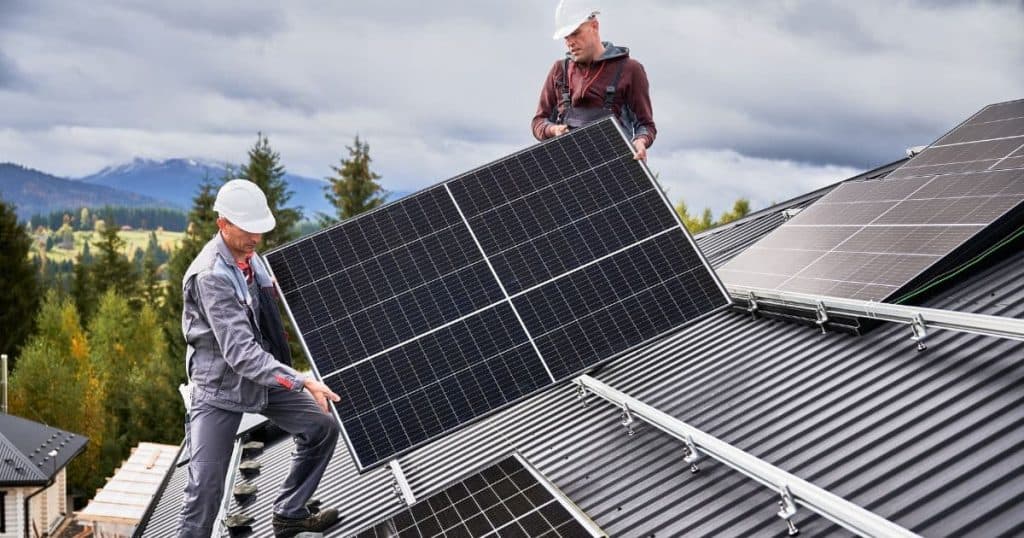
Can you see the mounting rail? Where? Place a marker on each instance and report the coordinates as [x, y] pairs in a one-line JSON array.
[[794, 490], [918, 318]]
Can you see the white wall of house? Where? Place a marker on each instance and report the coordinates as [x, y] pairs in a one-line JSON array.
[[47, 509]]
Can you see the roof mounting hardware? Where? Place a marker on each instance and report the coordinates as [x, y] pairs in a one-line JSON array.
[[920, 330], [581, 393], [752, 305], [401, 484], [787, 509], [821, 316], [693, 456], [627, 419]]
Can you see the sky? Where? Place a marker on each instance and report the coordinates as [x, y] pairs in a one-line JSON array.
[[764, 100]]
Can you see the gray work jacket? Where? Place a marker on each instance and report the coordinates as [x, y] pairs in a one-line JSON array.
[[224, 360]]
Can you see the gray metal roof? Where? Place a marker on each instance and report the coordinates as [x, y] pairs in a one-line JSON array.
[[25, 448], [933, 440]]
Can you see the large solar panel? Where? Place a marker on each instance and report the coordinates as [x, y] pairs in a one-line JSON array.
[[433, 311], [875, 240], [505, 500]]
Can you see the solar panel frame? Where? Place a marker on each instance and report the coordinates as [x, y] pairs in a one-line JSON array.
[[492, 197]]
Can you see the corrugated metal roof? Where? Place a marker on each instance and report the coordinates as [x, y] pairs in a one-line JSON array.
[[932, 440], [162, 517]]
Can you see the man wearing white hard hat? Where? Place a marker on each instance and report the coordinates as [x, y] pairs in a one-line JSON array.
[[596, 79], [238, 362]]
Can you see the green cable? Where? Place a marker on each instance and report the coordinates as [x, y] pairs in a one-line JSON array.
[[960, 269]]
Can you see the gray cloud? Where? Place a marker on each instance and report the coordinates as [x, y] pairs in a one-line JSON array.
[[810, 88]]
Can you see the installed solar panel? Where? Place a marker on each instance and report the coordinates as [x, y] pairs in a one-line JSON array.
[[503, 500], [435, 310], [871, 240]]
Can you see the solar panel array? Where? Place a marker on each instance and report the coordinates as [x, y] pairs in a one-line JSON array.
[[435, 310], [504, 500], [869, 240]]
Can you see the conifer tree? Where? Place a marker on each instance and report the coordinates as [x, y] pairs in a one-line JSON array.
[[19, 281], [265, 169], [53, 383], [110, 269], [202, 224], [353, 188]]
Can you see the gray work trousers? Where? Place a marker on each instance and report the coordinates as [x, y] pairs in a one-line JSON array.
[[211, 440]]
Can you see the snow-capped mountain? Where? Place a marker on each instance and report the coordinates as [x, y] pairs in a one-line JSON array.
[[177, 181]]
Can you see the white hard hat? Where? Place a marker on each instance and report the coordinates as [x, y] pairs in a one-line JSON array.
[[570, 14], [243, 203]]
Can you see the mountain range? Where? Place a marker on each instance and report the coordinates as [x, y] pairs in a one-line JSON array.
[[139, 183]]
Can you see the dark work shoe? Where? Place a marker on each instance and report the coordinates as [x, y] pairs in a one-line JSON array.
[[285, 527]]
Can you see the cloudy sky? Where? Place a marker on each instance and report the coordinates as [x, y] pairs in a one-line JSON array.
[[758, 99]]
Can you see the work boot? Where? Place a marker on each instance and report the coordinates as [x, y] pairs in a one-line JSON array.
[[286, 527]]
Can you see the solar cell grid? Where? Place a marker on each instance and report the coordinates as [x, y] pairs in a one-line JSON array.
[[867, 240], [503, 500], [403, 327]]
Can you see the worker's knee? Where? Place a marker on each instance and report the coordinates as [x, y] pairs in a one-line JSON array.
[[323, 428]]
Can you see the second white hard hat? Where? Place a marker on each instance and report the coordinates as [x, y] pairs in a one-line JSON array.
[[243, 203], [570, 14]]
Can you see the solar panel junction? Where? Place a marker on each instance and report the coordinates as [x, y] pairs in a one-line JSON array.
[[506, 500], [878, 239], [435, 310]]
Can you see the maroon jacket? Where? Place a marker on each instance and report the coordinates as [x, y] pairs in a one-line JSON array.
[[631, 104]]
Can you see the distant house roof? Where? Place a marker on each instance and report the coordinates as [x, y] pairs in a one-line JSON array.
[[25, 448], [933, 440], [126, 495]]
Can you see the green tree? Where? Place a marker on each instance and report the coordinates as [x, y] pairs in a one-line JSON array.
[[201, 227], [53, 383], [110, 269], [740, 209], [353, 188], [265, 169], [19, 282], [151, 283], [128, 354], [695, 224]]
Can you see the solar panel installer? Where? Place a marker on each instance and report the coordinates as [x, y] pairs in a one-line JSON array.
[[596, 79], [238, 361]]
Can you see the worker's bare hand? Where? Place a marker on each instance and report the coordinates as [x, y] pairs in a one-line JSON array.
[[321, 393], [640, 149], [558, 129]]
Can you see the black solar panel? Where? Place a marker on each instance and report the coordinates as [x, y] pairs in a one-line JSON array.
[[872, 239], [435, 310], [504, 500]]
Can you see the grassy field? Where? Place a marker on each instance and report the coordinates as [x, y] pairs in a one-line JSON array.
[[134, 240]]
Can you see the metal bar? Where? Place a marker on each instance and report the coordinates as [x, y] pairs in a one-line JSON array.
[[561, 498], [229, 488], [818, 500], [931, 317], [402, 487]]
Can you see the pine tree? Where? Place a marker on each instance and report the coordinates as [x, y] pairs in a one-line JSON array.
[[53, 383], [151, 282], [202, 224], [110, 269], [265, 169], [353, 188], [18, 280]]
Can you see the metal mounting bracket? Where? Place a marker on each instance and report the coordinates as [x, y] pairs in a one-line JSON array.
[[401, 484], [787, 509], [753, 307], [693, 456], [581, 393], [919, 330], [627, 419], [821, 316]]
